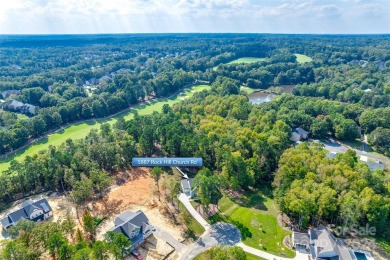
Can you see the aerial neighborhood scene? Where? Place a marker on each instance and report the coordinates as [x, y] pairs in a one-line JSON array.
[[195, 129]]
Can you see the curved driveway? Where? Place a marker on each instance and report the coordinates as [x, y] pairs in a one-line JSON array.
[[221, 233]]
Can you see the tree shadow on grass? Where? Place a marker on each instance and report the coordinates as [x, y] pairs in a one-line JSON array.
[[254, 198], [245, 232]]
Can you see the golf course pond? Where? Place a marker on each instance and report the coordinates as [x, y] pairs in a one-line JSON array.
[[259, 97]]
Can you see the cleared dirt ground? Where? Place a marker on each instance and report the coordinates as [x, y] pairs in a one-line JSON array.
[[137, 191]]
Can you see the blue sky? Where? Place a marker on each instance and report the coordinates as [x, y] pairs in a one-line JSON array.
[[150, 16]]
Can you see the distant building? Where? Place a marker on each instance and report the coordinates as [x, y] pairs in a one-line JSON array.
[[331, 155], [135, 226], [16, 105], [103, 79], [92, 81], [28, 109], [375, 165], [187, 187], [8, 93], [298, 134], [35, 211], [372, 165]]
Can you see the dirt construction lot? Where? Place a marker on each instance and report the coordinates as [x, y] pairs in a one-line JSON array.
[[136, 192]]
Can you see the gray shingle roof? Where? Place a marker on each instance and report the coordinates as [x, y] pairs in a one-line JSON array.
[[123, 217], [128, 222], [301, 238], [139, 219], [5, 222], [28, 207]]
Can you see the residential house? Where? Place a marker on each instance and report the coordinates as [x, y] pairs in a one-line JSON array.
[[187, 187], [372, 165], [103, 79], [18, 106], [28, 109], [8, 93], [298, 134], [135, 226], [375, 165], [32, 210], [320, 243], [92, 81], [15, 105]]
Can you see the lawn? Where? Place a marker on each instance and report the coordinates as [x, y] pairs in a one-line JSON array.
[[244, 60], [254, 214], [195, 229], [247, 60], [248, 90], [81, 130], [206, 256], [303, 58]]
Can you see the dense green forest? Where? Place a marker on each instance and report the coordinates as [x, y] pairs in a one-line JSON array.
[[72, 78], [243, 145]]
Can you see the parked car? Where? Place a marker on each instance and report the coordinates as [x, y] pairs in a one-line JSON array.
[[137, 255]]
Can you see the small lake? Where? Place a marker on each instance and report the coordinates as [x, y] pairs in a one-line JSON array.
[[261, 97]]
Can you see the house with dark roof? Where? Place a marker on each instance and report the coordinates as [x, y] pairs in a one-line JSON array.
[[298, 134], [32, 210], [135, 226], [320, 243]]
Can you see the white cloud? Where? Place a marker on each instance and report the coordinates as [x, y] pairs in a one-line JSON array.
[[105, 16]]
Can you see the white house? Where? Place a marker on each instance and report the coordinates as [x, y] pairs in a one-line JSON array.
[[320, 243], [35, 211]]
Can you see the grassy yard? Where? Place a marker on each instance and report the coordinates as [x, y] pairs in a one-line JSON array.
[[81, 130], [303, 58], [195, 229], [206, 256], [254, 214]]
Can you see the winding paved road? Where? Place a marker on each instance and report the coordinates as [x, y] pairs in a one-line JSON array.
[[342, 148], [218, 234]]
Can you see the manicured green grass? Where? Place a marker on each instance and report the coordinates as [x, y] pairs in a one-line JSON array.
[[81, 130], [302, 58], [253, 257], [244, 60], [195, 229], [248, 90], [254, 214], [247, 60], [206, 256]]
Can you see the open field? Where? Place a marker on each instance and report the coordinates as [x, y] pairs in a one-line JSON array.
[[244, 60], [247, 60], [248, 90], [81, 130], [255, 215], [302, 58]]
